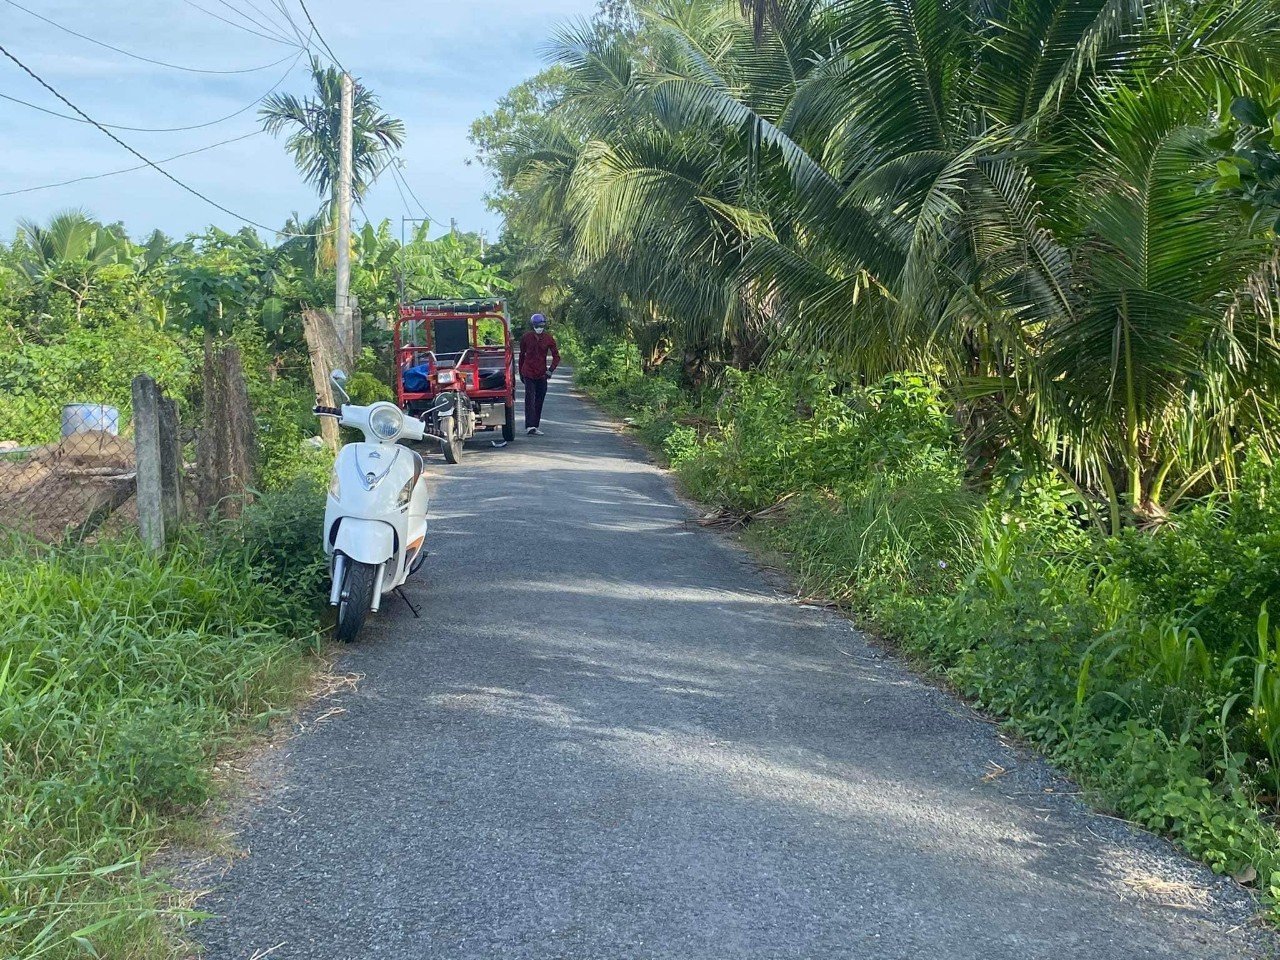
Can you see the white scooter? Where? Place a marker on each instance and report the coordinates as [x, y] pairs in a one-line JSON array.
[[375, 518]]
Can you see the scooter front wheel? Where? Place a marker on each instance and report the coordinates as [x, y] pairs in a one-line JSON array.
[[355, 599]]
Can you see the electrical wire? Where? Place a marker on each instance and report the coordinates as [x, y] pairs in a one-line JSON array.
[[279, 6], [403, 199], [194, 126], [397, 172], [163, 172], [268, 22], [240, 26], [319, 35], [380, 171], [270, 26], [279, 14], [141, 166], [136, 56]]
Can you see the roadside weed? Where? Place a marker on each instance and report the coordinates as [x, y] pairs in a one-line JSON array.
[[121, 673]]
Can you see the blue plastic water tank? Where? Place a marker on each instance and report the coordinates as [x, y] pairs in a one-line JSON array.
[[83, 417]]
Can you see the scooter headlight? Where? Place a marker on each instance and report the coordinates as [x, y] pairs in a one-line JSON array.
[[386, 421], [335, 486]]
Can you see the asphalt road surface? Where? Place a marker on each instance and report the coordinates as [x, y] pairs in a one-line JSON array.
[[611, 736]]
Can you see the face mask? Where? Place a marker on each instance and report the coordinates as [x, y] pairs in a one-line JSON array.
[[539, 330]]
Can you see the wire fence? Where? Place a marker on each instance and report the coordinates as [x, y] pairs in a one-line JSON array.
[[75, 468], [70, 471], [71, 484]]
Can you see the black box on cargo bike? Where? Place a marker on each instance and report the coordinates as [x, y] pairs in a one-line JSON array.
[[460, 349]]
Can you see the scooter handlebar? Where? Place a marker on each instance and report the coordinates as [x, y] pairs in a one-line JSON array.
[[350, 415], [414, 429]]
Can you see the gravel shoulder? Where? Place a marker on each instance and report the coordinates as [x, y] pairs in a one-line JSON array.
[[610, 736]]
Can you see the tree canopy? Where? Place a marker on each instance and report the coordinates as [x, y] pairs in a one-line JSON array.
[[1018, 199]]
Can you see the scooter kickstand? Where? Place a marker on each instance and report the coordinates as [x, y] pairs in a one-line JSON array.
[[407, 602]]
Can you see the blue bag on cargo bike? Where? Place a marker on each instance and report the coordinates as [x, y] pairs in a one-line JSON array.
[[417, 379]]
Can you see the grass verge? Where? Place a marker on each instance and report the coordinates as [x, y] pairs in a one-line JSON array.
[[121, 674]]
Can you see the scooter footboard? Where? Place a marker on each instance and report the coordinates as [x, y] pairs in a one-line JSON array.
[[366, 541]]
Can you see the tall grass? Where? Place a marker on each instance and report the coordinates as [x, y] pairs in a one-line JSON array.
[[120, 673]]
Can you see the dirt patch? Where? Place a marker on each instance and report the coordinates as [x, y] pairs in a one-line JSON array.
[[47, 490], [94, 448]]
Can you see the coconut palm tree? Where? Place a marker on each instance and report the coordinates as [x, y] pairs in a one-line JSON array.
[[67, 253], [1005, 193]]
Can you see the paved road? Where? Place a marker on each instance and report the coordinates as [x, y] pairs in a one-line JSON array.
[[611, 737]]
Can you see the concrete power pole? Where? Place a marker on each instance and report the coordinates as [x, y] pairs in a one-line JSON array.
[[343, 314]]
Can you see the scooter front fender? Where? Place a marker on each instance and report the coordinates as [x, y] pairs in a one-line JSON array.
[[366, 541]]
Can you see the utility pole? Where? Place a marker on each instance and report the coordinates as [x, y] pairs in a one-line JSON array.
[[343, 315], [453, 226]]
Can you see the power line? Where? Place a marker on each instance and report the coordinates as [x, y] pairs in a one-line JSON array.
[[269, 28], [396, 172], [403, 199], [300, 39], [240, 26], [280, 8], [319, 35], [194, 126], [137, 56], [163, 172], [142, 166], [381, 170]]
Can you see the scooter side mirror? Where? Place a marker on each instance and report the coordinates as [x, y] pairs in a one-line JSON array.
[[338, 378]]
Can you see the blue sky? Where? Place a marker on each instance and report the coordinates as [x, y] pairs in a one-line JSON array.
[[436, 65]]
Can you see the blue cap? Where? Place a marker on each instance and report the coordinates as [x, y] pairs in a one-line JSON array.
[[538, 320]]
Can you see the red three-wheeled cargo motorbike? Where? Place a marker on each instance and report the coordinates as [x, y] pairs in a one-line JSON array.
[[460, 350]]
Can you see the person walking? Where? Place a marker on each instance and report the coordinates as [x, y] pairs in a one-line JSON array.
[[534, 347]]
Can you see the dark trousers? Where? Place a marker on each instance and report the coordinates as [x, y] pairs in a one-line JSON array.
[[535, 391]]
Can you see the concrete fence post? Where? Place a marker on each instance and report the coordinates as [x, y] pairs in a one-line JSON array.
[[148, 447]]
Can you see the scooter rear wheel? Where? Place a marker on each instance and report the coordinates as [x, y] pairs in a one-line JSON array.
[[355, 599]]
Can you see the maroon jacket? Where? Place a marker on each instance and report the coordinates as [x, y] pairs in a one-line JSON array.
[[533, 355]]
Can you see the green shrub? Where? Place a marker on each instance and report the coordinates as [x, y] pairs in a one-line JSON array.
[[680, 445], [780, 434], [282, 408], [364, 386], [92, 363], [279, 541], [1217, 563], [155, 757]]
